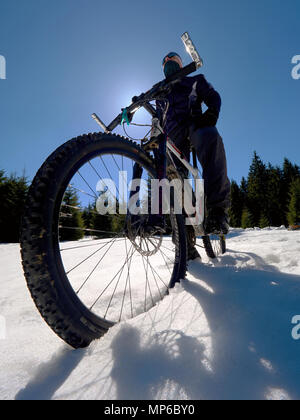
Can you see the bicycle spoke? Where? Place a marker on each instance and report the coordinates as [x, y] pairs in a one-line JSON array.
[[124, 294], [169, 249], [147, 284], [109, 174], [82, 191], [81, 209], [96, 266], [88, 230], [116, 162], [166, 261], [130, 291], [113, 294], [91, 189], [95, 170], [87, 258], [87, 246], [101, 294], [167, 255], [153, 270]]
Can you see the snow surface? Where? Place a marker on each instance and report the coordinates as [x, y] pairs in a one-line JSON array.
[[224, 333]]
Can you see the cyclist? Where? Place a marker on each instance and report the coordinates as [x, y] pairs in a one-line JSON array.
[[187, 125]]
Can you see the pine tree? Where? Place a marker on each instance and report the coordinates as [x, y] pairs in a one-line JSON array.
[[244, 189], [264, 221], [101, 224], [118, 223], [247, 218], [289, 173], [13, 191], [2, 176], [107, 225], [257, 189], [88, 215], [273, 210], [293, 215], [235, 211], [264, 199], [71, 219]]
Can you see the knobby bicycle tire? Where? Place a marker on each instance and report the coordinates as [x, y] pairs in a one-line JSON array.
[[214, 245], [45, 275]]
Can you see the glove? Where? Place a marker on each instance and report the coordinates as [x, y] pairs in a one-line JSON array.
[[130, 116], [208, 119], [126, 117]]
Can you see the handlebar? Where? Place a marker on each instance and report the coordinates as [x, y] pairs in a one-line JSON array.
[[159, 90]]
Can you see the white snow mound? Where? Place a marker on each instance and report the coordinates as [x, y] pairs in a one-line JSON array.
[[224, 333]]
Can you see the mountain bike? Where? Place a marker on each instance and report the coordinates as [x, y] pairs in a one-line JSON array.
[[94, 251]]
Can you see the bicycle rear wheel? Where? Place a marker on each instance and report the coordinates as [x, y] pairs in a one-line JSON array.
[[87, 271], [215, 245]]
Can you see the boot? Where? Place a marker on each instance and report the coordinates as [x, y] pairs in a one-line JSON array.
[[191, 244], [193, 254], [217, 221]]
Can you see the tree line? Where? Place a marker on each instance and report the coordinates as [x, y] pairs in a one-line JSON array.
[[13, 191], [269, 196], [75, 222]]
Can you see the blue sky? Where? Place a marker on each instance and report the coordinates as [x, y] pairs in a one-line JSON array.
[[69, 58]]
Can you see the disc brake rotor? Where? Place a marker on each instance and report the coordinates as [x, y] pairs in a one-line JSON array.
[[146, 241]]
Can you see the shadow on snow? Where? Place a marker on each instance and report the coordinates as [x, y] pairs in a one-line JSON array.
[[253, 356]]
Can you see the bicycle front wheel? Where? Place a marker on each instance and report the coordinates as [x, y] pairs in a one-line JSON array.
[[87, 270]]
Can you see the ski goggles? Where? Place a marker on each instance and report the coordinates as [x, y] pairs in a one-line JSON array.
[[172, 56]]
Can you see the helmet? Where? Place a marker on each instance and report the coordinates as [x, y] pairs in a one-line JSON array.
[[171, 63]]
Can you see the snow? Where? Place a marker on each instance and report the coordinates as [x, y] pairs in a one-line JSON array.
[[224, 333]]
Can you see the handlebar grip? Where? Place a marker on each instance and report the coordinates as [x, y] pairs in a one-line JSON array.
[[185, 71]]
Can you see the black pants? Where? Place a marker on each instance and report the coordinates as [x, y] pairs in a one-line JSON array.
[[211, 154]]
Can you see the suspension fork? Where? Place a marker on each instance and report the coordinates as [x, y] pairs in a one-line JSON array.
[[131, 219], [160, 156], [137, 173]]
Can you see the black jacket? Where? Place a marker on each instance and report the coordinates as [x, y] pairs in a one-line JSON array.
[[185, 102]]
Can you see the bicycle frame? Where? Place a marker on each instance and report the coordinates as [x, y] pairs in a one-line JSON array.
[[196, 217], [198, 194]]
